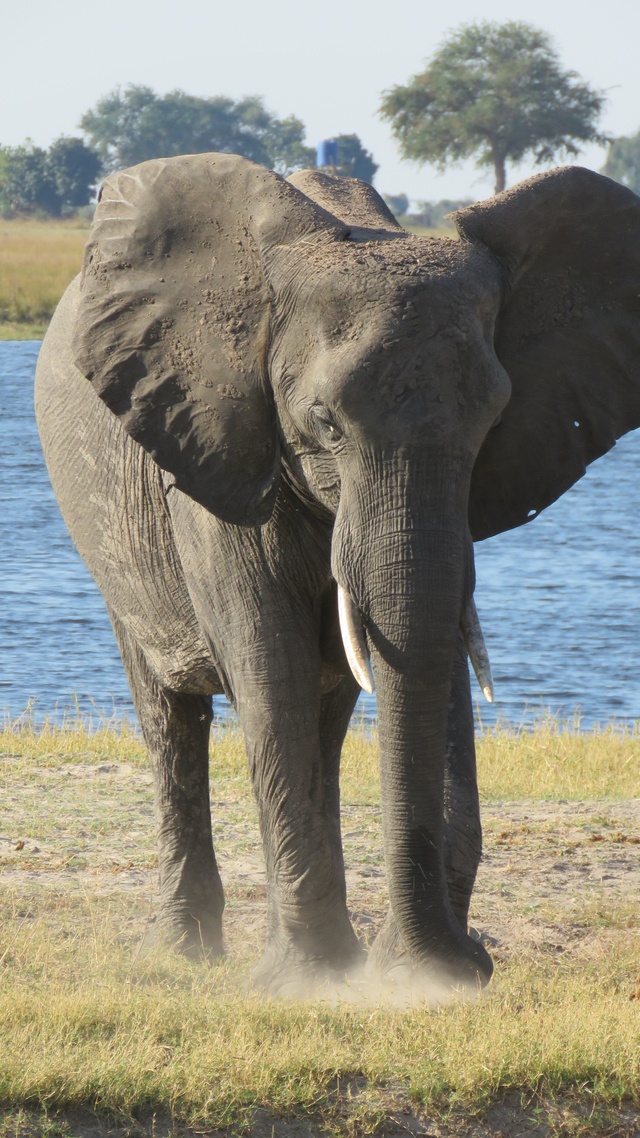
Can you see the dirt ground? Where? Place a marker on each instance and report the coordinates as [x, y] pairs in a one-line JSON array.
[[557, 878]]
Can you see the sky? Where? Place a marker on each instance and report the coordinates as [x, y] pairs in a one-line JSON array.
[[326, 62]]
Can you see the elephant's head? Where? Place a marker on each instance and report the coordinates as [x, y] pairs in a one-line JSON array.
[[425, 392]]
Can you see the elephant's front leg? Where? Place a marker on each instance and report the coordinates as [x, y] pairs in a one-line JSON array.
[[257, 595], [293, 742]]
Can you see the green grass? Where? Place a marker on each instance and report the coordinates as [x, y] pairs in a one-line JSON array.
[[95, 1015], [82, 1021], [38, 259]]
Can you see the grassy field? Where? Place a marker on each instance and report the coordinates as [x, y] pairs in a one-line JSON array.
[[37, 261], [104, 1032]]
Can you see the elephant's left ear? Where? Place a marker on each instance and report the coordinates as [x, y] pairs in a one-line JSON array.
[[568, 336], [173, 320]]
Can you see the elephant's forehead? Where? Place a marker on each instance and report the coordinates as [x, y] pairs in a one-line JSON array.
[[348, 278]]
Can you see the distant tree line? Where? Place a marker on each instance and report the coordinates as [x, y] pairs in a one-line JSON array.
[[132, 125], [54, 181], [496, 93]]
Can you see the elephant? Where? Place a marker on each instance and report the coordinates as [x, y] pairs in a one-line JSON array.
[[275, 423]]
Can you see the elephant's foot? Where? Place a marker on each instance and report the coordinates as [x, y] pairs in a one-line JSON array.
[[396, 975], [288, 969], [196, 935]]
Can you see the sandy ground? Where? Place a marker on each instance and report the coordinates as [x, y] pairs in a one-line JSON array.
[[556, 876]]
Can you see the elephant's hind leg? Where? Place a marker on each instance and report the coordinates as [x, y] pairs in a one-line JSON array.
[[176, 726]]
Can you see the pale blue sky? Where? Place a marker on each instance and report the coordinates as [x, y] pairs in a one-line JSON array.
[[326, 62]]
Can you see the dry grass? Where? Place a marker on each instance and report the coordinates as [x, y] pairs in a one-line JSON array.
[[38, 259], [554, 760], [93, 1013]]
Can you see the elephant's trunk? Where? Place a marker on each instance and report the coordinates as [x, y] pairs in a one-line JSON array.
[[410, 578]]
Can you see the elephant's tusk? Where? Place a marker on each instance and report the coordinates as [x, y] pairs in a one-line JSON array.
[[355, 645], [477, 649]]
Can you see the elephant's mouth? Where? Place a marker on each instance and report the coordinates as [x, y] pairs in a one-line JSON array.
[[359, 660]]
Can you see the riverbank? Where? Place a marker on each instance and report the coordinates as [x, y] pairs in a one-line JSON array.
[[103, 1032]]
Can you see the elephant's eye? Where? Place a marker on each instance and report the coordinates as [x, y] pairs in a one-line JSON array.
[[325, 426]]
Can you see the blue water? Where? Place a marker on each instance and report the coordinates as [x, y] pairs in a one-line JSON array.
[[558, 599]]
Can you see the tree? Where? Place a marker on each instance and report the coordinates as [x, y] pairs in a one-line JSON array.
[[25, 182], [47, 181], [493, 92], [348, 158], [623, 161], [73, 168], [130, 126], [353, 160], [284, 142]]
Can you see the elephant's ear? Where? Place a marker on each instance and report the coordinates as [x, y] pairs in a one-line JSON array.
[[353, 201], [568, 336], [173, 322]]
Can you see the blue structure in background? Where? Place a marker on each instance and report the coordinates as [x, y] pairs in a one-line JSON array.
[[328, 152]]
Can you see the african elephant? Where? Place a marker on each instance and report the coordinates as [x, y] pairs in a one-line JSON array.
[[275, 423]]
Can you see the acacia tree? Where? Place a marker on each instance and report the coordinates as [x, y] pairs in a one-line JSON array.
[[496, 93], [130, 126]]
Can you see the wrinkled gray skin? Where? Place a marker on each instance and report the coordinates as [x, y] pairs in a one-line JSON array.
[[257, 389]]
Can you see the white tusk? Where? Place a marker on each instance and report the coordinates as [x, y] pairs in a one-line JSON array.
[[354, 642], [477, 649]]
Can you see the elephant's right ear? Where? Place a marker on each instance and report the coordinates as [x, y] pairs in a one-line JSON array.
[[568, 336], [173, 322]]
